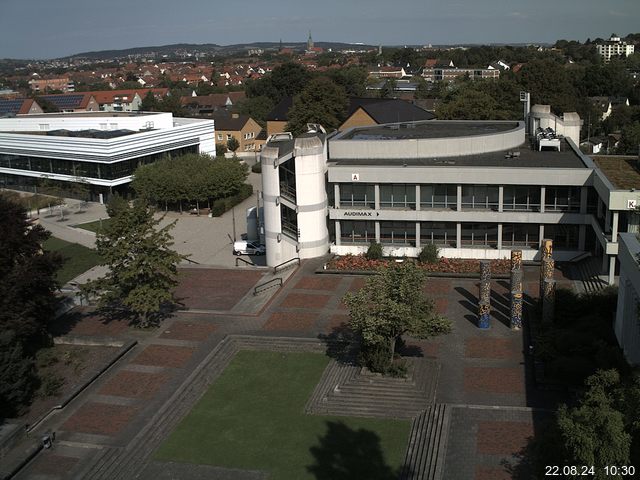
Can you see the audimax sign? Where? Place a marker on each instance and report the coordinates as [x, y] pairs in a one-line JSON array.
[[360, 213]]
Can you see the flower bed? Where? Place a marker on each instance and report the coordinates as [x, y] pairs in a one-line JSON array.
[[444, 265]]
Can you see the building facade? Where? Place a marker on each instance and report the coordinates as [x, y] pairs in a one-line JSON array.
[[614, 47], [99, 149], [476, 189]]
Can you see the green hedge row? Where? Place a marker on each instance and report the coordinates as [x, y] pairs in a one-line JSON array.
[[224, 204]]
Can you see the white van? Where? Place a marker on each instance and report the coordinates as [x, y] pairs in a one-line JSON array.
[[246, 247]]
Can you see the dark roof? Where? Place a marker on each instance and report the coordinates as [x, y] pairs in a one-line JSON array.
[[391, 110], [66, 101], [230, 122], [12, 107], [104, 134]]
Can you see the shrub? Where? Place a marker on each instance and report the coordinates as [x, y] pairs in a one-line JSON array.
[[374, 252], [429, 254], [46, 357], [51, 385], [224, 204], [375, 357], [256, 167]]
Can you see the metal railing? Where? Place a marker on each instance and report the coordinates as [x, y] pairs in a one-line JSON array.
[[274, 282], [240, 259], [285, 265]]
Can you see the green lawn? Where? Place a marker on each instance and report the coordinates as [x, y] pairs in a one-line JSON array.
[[252, 418], [94, 226], [78, 259]]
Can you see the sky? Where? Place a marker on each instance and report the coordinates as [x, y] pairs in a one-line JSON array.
[[43, 29]]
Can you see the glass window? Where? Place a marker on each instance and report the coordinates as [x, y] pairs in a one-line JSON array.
[[438, 196], [563, 236], [438, 233], [483, 197], [398, 196], [520, 235], [480, 234], [357, 232], [562, 199], [289, 220], [357, 195], [398, 233], [521, 198]]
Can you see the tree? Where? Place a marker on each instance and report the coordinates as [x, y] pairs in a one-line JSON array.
[[27, 276], [321, 101], [257, 108], [142, 266], [593, 432], [630, 141], [233, 144], [149, 103], [27, 302], [388, 89], [392, 303]]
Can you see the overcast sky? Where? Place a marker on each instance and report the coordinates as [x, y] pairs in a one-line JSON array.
[[55, 28]]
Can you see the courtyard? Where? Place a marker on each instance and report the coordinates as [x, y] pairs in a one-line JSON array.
[[223, 391]]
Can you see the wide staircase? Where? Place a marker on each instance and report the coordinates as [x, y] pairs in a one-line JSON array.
[[346, 390], [587, 271], [425, 456]]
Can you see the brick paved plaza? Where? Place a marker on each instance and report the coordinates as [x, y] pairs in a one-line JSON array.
[[482, 373]]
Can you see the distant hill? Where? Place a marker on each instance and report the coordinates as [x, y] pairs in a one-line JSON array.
[[206, 48]]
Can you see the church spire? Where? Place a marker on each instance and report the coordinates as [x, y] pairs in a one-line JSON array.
[[309, 42]]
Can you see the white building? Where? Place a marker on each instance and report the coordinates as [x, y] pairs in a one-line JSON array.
[[614, 47], [476, 189], [627, 325], [99, 148]]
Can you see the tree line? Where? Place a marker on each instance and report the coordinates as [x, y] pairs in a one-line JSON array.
[[192, 178]]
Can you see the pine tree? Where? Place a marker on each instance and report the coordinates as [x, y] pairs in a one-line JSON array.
[[142, 265]]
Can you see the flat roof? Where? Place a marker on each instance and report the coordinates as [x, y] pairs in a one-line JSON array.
[[87, 114], [428, 129], [91, 133], [622, 171], [528, 158]]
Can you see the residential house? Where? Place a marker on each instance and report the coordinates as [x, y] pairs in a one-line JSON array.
[[245, 129], [63, 84], [73, 102], [388, 72], [208, 104], [607, 104], [361, 112], [19, 106]]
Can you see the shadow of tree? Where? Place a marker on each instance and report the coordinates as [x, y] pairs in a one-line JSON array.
[[347, 454], [342, 344]]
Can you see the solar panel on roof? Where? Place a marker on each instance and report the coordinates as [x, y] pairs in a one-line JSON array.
[[10, 106]]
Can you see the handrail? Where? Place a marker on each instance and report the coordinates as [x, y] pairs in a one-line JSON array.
[[245, 261], [267, 285], [285, 265]]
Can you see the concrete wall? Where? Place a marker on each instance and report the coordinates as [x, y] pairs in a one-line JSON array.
[[627, 325]]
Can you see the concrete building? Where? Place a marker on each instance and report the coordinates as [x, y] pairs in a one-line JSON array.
[[614, 47], [627, 326], [476, 189], [449, 74], [98, 148]]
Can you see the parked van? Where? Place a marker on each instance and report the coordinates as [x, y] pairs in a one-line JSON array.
[[245, 247]]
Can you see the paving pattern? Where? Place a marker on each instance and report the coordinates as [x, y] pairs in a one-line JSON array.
[[472, 405]]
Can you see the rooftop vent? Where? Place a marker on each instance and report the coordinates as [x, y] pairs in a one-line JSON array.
[[280, 136]]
